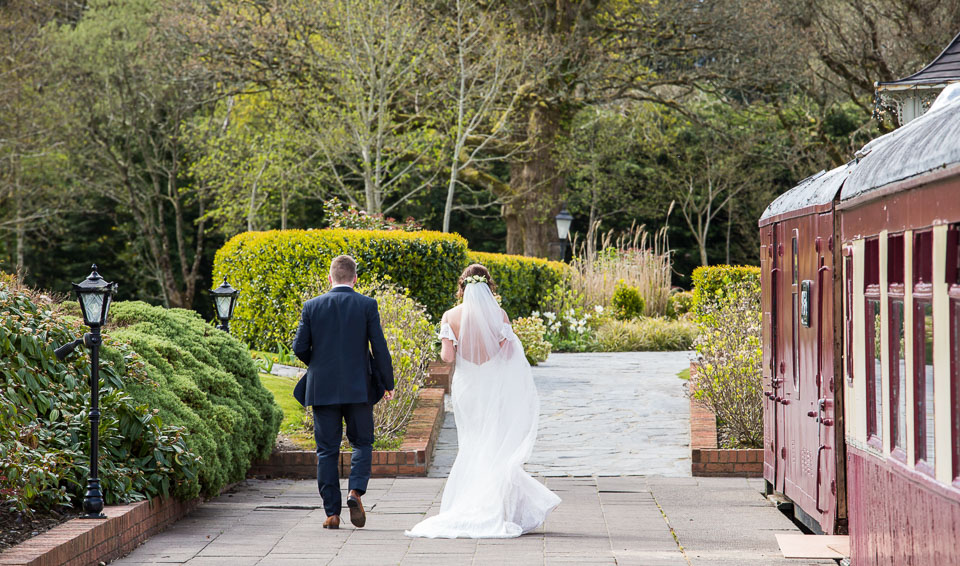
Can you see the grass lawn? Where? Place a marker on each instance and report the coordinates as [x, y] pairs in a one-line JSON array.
[[293, 413], [685, 374]]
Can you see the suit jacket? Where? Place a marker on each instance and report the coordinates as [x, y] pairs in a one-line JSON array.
[[338, 331]]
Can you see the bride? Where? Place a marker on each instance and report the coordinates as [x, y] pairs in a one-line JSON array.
[[495, 403]]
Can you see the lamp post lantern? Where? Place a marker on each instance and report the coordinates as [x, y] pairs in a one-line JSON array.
[[224, 301], [564, 219], [95, 295]]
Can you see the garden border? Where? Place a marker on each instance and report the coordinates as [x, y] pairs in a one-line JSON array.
[[709, 461], [89, 542], [412, 459]]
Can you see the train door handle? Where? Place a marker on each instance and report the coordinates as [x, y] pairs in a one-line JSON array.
[[785, 402], [768, 393], [812, 414], [826, 422]]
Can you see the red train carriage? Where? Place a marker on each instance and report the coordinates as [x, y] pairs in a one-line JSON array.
[[861, 301]]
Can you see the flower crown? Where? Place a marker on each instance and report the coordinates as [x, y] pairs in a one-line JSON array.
[[475, 279]]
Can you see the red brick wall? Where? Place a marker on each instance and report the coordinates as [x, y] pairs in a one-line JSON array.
[[81, 542]]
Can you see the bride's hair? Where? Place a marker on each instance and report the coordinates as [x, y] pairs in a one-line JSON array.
[[470, 271]]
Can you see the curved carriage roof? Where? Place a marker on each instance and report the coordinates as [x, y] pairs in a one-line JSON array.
[[816, 190], [930, 142]]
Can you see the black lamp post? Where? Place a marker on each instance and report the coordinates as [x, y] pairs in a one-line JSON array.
[[224, 301], [564, 219], [95, 296]]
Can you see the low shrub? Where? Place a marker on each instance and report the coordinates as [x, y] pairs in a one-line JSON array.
[[531, 332], [680, 304], [44, 404], [728, 371], [570, 328], [272, 269], [646, 334], [349, 217], [711, 284], [626, 302], [204, 380], [522, 282]]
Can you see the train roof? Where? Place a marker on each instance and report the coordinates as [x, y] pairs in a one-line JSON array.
[[928, 143], [816, 190]]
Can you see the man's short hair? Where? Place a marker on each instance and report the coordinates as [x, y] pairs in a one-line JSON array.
[[343, 269]]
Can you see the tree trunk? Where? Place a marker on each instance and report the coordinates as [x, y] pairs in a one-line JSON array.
[[537, 186], [21, 225]]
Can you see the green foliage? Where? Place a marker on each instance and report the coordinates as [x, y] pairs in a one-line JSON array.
[[646, 334], [205, 381], [680, 304], [627, 302], [522, 282], [44, 404], [350, 218], [531, 332], [711, 285], [272, 269], [728, 371], [570, 328]]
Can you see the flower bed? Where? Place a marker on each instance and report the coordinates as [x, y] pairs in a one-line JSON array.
[[709, 461]]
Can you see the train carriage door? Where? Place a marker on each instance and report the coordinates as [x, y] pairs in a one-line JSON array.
[[768, 282], [826, 381], [781, 339]]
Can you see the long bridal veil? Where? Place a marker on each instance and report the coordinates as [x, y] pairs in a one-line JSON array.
[[488, 494]]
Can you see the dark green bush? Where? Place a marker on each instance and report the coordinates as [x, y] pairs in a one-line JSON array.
[[627, 302], [44, 404], [204, 380], [710, 285], [522, 282], [272, 270], [679, 304]]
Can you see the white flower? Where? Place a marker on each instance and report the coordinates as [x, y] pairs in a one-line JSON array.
[[550, 315], [598, 309], [586, 317], [580, 329], [555, 327], [535, 314], [571, 312]]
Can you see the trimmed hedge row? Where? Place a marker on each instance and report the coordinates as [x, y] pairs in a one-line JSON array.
[[710, 284], [276, 270], [521, 281]]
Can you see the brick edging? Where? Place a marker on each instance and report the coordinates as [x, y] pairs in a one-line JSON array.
[[412, 459], [88, 542], [709, 461]]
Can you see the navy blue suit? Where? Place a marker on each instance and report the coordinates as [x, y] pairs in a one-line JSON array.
[[338, 332]]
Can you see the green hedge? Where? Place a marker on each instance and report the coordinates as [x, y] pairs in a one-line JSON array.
[[521, 281], [274, 270], [204, 380], [710, 284]]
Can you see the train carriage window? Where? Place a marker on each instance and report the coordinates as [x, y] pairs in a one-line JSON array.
[[872, 323], [795, 326], [923, 381], [897, 345]]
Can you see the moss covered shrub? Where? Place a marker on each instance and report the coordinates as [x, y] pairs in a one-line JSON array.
[[532, 331], [272, 269], [522, 282], [204, 380], [646, 334], [44, 404]]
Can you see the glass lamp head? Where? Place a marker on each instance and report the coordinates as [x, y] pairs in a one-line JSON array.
[[224, 300], [95, 295], [564, 219]]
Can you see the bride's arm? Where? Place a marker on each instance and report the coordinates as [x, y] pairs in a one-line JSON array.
[[448, 351], [506, 320]]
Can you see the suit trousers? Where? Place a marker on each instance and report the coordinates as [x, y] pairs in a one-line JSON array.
[[328, 431]]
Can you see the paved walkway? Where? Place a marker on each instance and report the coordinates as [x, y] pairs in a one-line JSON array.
[[604, 415], [623, 521]]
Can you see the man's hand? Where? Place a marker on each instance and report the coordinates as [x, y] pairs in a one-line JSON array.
[[388, 395]]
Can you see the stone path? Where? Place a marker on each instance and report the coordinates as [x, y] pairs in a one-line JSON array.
[[603, 414], [623, 521]]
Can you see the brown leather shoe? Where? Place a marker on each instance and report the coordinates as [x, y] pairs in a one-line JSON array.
[[332, 522], [357, 515]]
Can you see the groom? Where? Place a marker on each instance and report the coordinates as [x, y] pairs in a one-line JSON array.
[[338, 330]]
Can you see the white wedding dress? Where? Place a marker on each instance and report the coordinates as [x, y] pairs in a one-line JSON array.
[[495, 403]]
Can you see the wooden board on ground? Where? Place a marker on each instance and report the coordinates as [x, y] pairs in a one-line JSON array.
[[814, 546]]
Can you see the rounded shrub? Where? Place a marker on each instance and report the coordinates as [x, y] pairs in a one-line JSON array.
[[531, 332], [272, 269], [203, 380], [679, 304], [627, 302], [711, 284]]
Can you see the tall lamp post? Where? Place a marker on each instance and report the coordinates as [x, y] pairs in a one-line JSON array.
[[224, 301], [95, 295], [564, 219]]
